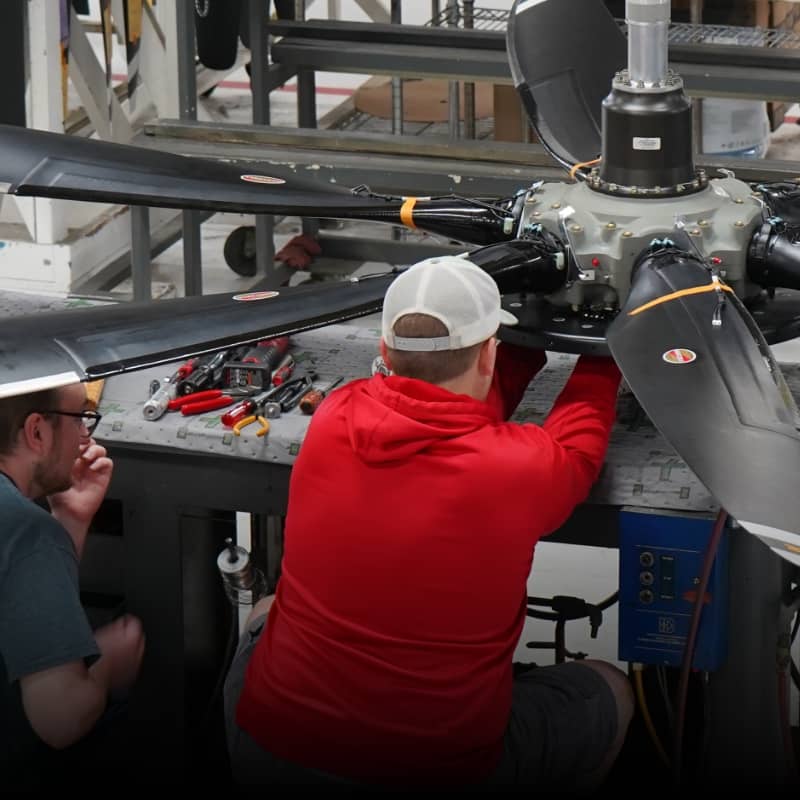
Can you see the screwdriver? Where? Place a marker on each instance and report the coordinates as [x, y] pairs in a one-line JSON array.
[[284, 371], [251, 404], [311, 400], [247, 407]]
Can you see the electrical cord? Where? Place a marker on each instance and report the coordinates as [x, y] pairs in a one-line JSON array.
[[691, 641], [575, 170], [638, 683], [499, 211], [706, 737], [661, 675]]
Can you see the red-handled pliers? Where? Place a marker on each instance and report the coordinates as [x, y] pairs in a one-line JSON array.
[[200, 402]]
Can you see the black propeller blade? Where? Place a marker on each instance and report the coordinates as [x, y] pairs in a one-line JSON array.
[[43, 350], [563, 55], [702, 371], [41, 164]]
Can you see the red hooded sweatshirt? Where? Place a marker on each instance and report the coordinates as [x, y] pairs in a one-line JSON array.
[[413, 516]]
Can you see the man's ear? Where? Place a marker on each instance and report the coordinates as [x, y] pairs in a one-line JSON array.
[[34, 432], [385, 353], [486, 358]]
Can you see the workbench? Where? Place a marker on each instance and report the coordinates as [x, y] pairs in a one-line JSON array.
[[641, 468]]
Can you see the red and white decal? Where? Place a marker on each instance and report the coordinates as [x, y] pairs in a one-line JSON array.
[[249, 296], [261, 179], [679, 355]]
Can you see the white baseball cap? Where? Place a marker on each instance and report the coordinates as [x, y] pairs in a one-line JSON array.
[[454, 290]]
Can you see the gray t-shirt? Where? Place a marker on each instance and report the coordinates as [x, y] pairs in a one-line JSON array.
[[42, 621]]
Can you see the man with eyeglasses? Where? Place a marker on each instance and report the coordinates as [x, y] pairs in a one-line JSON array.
[[56, 673]]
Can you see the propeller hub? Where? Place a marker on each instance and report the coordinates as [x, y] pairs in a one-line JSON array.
[[647, 117], [647, 143]]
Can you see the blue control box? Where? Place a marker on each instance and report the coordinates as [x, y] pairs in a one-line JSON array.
[[660, 565]]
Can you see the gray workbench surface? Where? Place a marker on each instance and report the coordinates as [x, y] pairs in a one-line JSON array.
[[641, 469], [338, 350]]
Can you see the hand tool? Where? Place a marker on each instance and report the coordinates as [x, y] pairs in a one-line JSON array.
[[272, 409], [248, 406], [200, 402], [156, 406], [284, 371], [310, 401], [286, 395], [293, 396], [204, 374], [259, 401], [243, 423], [256, 366]]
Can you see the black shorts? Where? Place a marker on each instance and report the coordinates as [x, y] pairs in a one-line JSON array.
[[562, 724]]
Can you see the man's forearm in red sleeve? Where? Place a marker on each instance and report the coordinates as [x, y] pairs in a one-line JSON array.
[[584, 412], [514, 369]]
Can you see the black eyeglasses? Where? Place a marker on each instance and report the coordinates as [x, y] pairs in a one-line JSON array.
[[90, 419]]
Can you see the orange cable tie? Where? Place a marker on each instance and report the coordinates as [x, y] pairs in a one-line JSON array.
[[407, 212], [711, 287]]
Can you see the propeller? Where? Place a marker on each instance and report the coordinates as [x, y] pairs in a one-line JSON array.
[[704, 374]]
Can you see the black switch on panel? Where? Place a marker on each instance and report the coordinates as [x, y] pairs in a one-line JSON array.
[[667, 577]]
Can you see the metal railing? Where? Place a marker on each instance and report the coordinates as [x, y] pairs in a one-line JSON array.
[[492, 19]]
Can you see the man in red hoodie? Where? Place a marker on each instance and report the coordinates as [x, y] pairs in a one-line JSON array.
[[414, 510]]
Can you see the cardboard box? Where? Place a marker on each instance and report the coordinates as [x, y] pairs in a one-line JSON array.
[[425, 100], [510, 120]]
